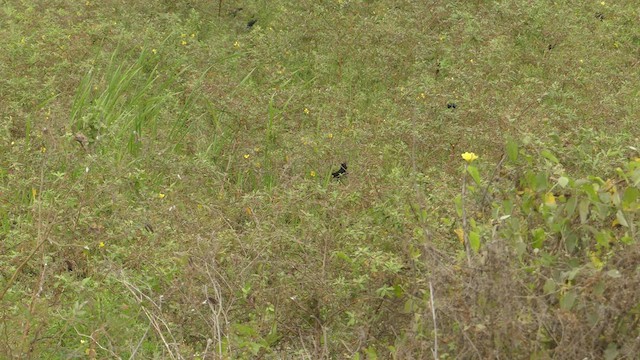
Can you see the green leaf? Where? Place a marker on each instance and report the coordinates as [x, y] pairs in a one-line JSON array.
[[572, 203], [549, 286], [629, 199], [474, 241], [621, 219], [549, 156], [473, 171], [614, 273], [568, 300], [541, 182], [563, 181], [512, 150], [371, 353], [538, 238], [584, 210], [571, 241], [611, 353], [458, 202]]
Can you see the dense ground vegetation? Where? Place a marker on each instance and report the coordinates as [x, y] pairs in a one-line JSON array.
[[166, 187]]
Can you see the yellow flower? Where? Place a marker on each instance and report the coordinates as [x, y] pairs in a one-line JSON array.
[[161, 195], [330, 136], [603, 3], [236, 44], [183, 35], [193, 35], [469, 157], [246, 156], [549, 199], [306, 111], [183, 42], [312, 173], [423, 95], [43, 149], [154, 51], [101, 244]]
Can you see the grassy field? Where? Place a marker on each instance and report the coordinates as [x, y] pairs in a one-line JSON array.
[[166, 187]]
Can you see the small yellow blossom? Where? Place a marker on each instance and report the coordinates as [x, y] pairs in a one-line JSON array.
[[312, 173], [423, 95], [183, 42], [154, 51], [101, 244], [183, 35], [161, 195], [469, 157], [236, 44], [330, 136], [193, 35], [246, 156], [549, 199], [306, 111], [603, 3], [43, 149]]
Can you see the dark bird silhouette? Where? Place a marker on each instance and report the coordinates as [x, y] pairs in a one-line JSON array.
[[251, 23], [341, 172], [451, 106]]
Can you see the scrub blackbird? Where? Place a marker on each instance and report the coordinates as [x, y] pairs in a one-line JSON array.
[[341, 172], [251, 23], [451, 106]]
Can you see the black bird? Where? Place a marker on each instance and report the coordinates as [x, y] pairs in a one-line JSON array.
[[251, 23], [451, 106], [341, 172]]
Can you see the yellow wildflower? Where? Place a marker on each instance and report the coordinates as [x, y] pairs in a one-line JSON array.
[[154, 51], [469, 157], [312, 173], [161, 195], [549, 199], [101, 244], [246, 156], [236, 44], [183, 42], [306, 111]]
